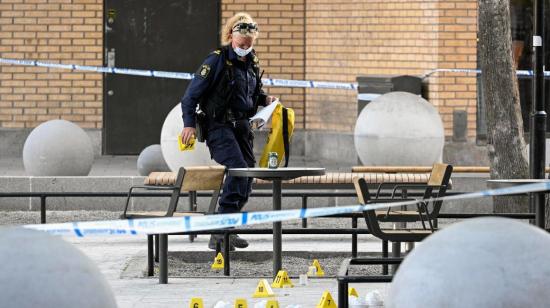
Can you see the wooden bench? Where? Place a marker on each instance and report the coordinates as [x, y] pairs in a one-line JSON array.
[[391, 235], [437, 184], [329, 181], [190, 179], [344, 180], [422, 169]]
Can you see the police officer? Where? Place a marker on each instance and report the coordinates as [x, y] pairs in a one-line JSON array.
[[229, 90]]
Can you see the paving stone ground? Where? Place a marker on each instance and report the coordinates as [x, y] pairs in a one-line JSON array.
[[122, 261]]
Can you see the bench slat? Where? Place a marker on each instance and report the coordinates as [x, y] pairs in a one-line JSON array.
[[203, 178], [331, 178]]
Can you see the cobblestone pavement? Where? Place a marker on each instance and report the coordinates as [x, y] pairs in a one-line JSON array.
[[122, 261]]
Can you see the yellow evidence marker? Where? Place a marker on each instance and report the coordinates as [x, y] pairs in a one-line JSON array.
[[186, 147], [353, 292], [196, 302], [218, 262], [318, 269], [272, 303], [263, 289], [282, 280], [240, 303], [326, 301]]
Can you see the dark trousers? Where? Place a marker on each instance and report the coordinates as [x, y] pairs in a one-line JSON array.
[[232, 146]]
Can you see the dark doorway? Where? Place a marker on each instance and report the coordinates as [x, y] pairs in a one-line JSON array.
[[167, 35]]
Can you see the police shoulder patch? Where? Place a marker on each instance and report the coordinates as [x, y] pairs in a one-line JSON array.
[[255, 59], [204, 70]]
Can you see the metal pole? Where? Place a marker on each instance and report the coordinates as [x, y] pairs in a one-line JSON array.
[[150, 256], [354, 238], [277, 229], [343, 300], [304, 206], [384, 255], [163, 258], [538, 115], [226, 252], [43, 209]]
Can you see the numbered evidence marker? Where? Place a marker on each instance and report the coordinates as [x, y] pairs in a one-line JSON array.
[[196, 302], [282, 280], [263, 289], [326, 301], [272, 303], [353, 292], [240, 303], [318, 269], [218, 262]]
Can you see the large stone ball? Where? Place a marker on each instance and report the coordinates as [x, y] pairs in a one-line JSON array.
[[41, 270], [399, 129], [58, 148], [150, 160], [172, 127], [484, 262]]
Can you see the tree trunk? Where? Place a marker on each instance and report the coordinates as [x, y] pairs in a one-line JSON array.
[[506, 144]]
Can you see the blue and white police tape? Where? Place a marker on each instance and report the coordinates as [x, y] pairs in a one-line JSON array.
[[178, 75], [213, 222], [289, 83], [471, 71]]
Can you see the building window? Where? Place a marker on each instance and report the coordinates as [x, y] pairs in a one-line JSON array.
[[521, 14]]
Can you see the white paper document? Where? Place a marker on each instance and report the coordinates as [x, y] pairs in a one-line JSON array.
[[262, 117]]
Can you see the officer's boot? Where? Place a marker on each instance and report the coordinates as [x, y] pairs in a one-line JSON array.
[[215, 238], [238, 241]]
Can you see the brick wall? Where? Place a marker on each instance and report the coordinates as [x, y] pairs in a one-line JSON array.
[[67, 31], [334, 40], [280, 45], [346, 38], [457, 48]]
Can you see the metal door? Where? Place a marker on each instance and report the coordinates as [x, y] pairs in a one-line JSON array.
[[167, 35]]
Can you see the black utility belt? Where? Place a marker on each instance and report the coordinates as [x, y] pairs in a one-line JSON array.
[[240, 115]]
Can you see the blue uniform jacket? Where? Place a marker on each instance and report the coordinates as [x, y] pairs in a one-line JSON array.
[[209, 71]]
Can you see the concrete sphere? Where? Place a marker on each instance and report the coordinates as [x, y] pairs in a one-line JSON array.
[[151, 159], [399, 129], [484, 262], [172, 127], [41, 270], [58, 148]]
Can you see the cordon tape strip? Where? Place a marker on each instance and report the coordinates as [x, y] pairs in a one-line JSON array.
[[221, 221], [178, 75], [289, 83]]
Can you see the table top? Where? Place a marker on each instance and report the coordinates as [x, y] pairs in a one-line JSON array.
[[275, 174]]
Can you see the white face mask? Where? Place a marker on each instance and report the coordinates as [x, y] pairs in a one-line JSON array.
[[242, 52]]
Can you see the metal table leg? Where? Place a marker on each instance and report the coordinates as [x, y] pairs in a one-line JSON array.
[[277, 229], [226, 256], [163, 258], [150, 256], [156, 247]]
